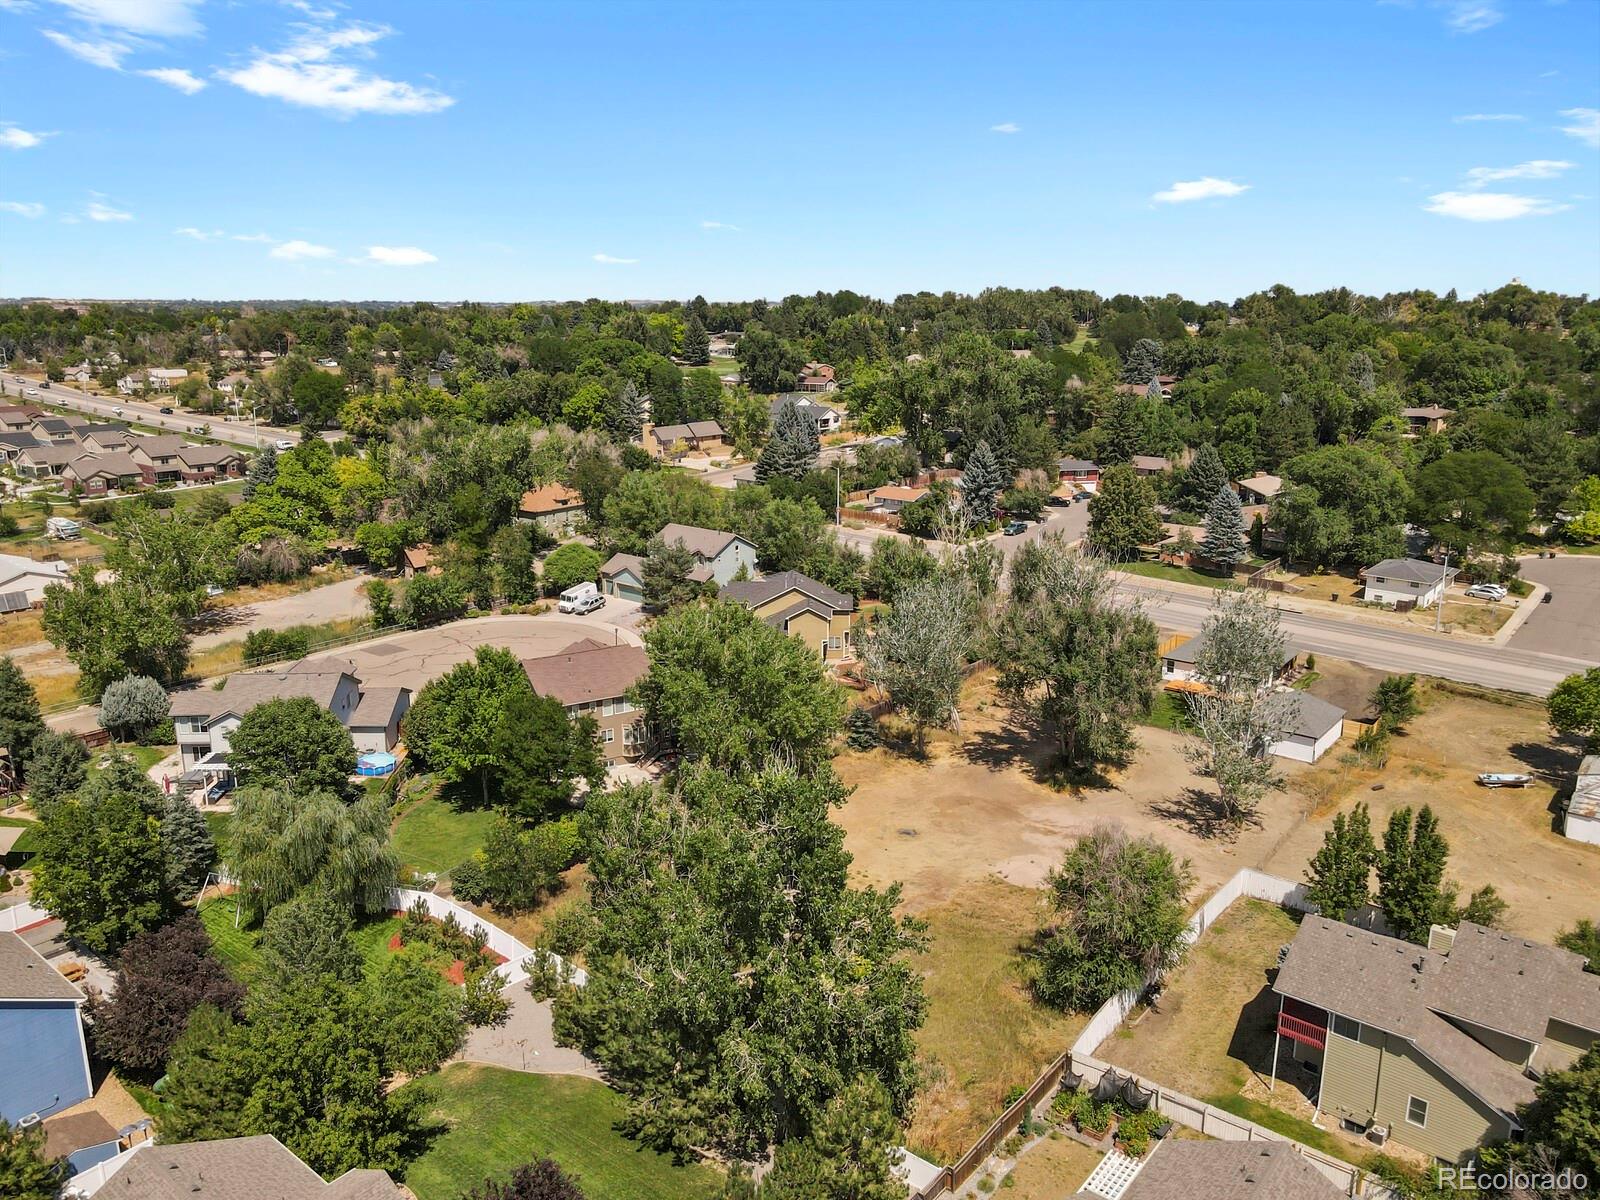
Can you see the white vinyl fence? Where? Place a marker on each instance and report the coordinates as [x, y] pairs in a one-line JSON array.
[[501, 942]]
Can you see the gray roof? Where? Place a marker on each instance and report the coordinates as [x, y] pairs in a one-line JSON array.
[[24, 974], [1188, 652], [51, 454], [208, 456], [247, 1168], [1414, 569], [702, 543], [1488, 978], [1189, 1170], [619, 562], [18, 441], [667, 434], [1077, 464], [244, 691], [1151, 462], [116, 463], [377, 706], [805, 405], [754, 592], [158, 445], [1313, 717], [52, 425]]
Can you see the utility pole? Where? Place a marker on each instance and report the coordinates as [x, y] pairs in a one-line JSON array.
[[1444, 582], [837, 467]]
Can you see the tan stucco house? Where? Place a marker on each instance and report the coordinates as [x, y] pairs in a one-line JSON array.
[[800, 606], [592, 679]]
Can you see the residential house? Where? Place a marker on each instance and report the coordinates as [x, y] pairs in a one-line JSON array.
[[101, 439], [82, 1138], [12, 444], [1314, 727], [891, 498], [155, 379], [44, 460], [418, 560], [622, 575], [202, 718], [722, 553], [592, 679], [234, 1168], [97, 474], [1429, 418], [232, 382], [81, 375], [199, 464], [1258, 489], [18, 418], [1179, 659], [158, 458], [731, 379], [1581, 819], [722, 346], [817, 377], [41, 1033], [1150, 464], [815, 613], [826, 420], [660, 440], [1435, 1046], [554, 506], [58, 431], [1180, 1169], [1079, 473], [1406, 580]]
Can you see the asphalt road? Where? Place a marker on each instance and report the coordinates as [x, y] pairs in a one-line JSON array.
[[143, 413], [1570, 623]]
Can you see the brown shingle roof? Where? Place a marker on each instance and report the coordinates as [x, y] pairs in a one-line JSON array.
[[1186, 1170], [579, 676], [754, 592], [24, 974], [247, 1168], [197, 457]]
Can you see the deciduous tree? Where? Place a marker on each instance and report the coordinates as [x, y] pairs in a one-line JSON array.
[[132, 705], [1574, 708], [918, 652], [453, 725], [1337, 879], [1122, 515], [1411, 862], [292, 744], [543, 755], [282, 844], [569, 565], [1472, 500]]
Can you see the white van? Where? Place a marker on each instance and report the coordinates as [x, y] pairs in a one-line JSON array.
[[581, 598]]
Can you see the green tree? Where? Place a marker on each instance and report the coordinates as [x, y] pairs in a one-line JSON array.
[[294, 744], [918, 652], [27, 1171], [542, 1179], [767, 364], [1472, 500], [281, 845], [383, 542], [982, 481], [1121, 431], [735, 692], [850, 1153], [187, 845], [1120, 913], [263, 471], [167, 559], [206, 1091], [55, 767], [1313, 536], [21, 722], [453, 725], [665, 576], [1583, 939], [572, 564], [792, 449], [521, 866], [1204, 478], [308, 936], [1363, 499], [1142, 363], [1396, 702], [1574, 708], [318, 396], [1337, 880], [721, 909], [380, 602], [1411, 862], [1122, 515], [1564, 1117], [696, 343], [100, 868], [417, 1014], [894, 565], [1224, 543], [133, 705], [543, 754], [1071, 655], [114, 629], [432, 600]]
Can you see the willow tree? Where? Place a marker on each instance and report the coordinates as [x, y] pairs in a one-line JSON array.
[[282, 845]]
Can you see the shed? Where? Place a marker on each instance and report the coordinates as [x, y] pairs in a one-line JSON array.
[[1581, 822], [1313, 729]]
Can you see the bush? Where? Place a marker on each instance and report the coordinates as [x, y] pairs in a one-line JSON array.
[[1135, 1129], [263, 644], [572, 564], [132, 705], [159, 734], [861, 729], [468, 882]]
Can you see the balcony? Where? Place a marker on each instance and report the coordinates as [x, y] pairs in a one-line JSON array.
[[1309, 1033]]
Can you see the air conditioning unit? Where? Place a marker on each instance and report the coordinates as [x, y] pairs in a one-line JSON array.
[[1378, 1135], [29, 1121]]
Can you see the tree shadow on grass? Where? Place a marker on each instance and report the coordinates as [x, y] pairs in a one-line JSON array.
[[1549, 761], [1201, 814], [1024, 741]]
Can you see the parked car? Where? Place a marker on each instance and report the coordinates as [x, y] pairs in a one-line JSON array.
[[581, 598], [1081, 497], [284, 444], [1547, 597], [1487, 591], [166, 410], [1012, 528]]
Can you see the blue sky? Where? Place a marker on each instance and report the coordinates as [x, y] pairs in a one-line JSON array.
[[501, 151]]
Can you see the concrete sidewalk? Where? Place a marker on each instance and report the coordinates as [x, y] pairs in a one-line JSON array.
[[526, 1042]]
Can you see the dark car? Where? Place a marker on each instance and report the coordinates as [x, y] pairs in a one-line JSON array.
[[1012, 528], [1547, 597], [1080, 497], [166, 410]]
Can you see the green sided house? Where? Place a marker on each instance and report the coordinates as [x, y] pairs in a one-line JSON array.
[[1435, 1046]]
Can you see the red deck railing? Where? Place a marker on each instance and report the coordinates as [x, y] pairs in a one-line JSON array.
[[1302, 1030]]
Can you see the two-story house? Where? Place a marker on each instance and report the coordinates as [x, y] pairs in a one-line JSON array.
[[591, 679], [46, 1066], [1428, 418], [1435, 1046], [158, 458], [815, 613], [1079, 472], [200, 464], [718, 558], [554, 506], [97, 474]]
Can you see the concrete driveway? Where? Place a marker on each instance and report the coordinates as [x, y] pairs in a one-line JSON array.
[[1570, 624], [526, 1042]]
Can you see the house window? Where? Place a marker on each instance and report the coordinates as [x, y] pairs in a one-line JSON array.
[[1346, 1028], [608, 735], [1417, 1111]]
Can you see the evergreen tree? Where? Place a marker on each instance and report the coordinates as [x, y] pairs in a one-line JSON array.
[[632, 412], [1143, 362], [133, 704], [1411, 890], [1359, 375], [1122, 515], [56, 767], [1205, 475], [665, 576], [850, 1153], [1153, 391], [696, 343], [1337, 880], [206, 1092], [20, 719], [981, 484], [187, 845], [1044, 338], [263, 472], [998, 436], [1224, 543], [1120, 432], [792, 449], [307, 937], [27, 1172]]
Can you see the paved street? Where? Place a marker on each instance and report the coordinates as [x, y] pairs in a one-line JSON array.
[[237, 433], [1570, 623]]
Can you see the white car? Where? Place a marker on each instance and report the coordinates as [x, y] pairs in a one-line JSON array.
[[31, 392], [1487, 591], [284, 444]]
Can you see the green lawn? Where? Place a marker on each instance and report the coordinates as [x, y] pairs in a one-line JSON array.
[[1168, 712], [434, 835], [1160, 570], [24, 847], [144, 757], [240, 948], [497, 1119]]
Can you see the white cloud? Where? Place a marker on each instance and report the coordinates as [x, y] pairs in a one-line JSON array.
[[398, 256], [719, 225], [1199, 189], [1585, 125], [21, 208], [199, 235], [1489, 206], [1472, 16], [1006, 127], [156, 18], [298, 251], [1489, 117], [97, 54], [309, 72], [176, 77], [1539, 168], [611, 258], [99, 210], [266, 238], [311, 10], [13, 137]]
